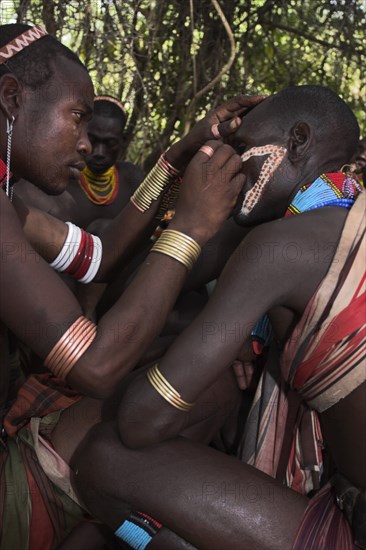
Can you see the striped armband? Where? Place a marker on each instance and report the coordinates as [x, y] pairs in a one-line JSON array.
[[80, 256]]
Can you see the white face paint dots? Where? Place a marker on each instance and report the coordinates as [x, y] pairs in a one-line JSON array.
[[276, 155]]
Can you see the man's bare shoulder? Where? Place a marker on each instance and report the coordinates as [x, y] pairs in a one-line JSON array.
[[9, 218], [314, 222], [61, 206], [315, 233], [293, 253]]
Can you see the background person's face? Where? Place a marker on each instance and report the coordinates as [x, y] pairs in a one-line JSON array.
[[105, 135]]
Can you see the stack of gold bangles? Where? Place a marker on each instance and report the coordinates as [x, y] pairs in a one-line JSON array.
[[179, 246], [160, 177], [162, 386]]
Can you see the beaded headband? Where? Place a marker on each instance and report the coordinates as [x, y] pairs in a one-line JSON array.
[[20, 42], [112, 100]]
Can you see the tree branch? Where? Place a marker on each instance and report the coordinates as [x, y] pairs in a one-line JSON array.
[[222, 71], [324, 43]]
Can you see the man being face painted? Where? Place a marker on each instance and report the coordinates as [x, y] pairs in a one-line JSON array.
[[275, 147], [262, 145]]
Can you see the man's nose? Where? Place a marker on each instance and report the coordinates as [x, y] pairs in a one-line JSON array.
[[84, 146], [99, 150]]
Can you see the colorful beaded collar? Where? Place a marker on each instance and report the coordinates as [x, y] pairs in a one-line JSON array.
[[332, 189], [102, 188]]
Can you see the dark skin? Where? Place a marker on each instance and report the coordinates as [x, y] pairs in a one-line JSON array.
[[208, 266], [106, 136], [119, 247], [47, 235], [222, 511], [35, 304]]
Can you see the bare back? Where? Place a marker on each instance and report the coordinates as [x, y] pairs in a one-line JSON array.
[[276, 269]]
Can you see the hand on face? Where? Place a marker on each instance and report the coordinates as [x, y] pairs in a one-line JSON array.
[[217, 124], [209, 191], [226, 119]]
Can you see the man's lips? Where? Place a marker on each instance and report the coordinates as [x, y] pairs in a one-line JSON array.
[[76, 169], [98, 166]]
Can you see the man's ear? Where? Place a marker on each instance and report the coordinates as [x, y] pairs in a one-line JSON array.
[[10, 95], [299, 140]]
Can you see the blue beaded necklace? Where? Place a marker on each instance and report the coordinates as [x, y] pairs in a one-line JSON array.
[[333, 189]]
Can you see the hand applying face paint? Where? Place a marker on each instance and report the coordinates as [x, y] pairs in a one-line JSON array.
[[220, 123]]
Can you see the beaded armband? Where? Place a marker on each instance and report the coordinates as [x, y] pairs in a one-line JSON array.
[[157, 180], [70, 347], [169, 198], [80, 256], [179, 246], [138, 530]]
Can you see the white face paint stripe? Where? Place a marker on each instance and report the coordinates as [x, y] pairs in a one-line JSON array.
[[261, 151], [277, 154]]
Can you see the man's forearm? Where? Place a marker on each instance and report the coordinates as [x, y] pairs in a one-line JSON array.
[[119, 239]]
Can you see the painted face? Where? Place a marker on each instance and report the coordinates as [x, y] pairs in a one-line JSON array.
[[276, 155], [105, 135], [50, 138], [259, 140]]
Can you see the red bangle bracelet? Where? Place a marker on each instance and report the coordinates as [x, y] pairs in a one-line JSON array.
[[87, 258], [76, 260]]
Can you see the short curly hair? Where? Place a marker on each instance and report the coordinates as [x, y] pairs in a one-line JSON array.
[[330, 116]]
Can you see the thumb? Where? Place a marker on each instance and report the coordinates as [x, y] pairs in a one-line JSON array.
[[229, 126]]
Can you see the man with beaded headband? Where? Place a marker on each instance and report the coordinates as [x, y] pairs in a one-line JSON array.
[[303, 264], [46, 101]]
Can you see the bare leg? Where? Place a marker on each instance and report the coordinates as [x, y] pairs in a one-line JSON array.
[[209, 499], [88, 536]]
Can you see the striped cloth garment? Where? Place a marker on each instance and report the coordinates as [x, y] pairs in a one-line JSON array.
[[35, 513], [323, 361]]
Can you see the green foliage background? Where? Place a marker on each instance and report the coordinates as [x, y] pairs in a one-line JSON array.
[[157, 56]]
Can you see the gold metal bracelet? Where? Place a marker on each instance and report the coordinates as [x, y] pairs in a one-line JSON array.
[[179, 246], [166, 390], [158, 179]]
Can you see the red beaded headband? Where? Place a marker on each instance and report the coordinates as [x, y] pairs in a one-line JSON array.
[[112, 100], [20, 42]]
